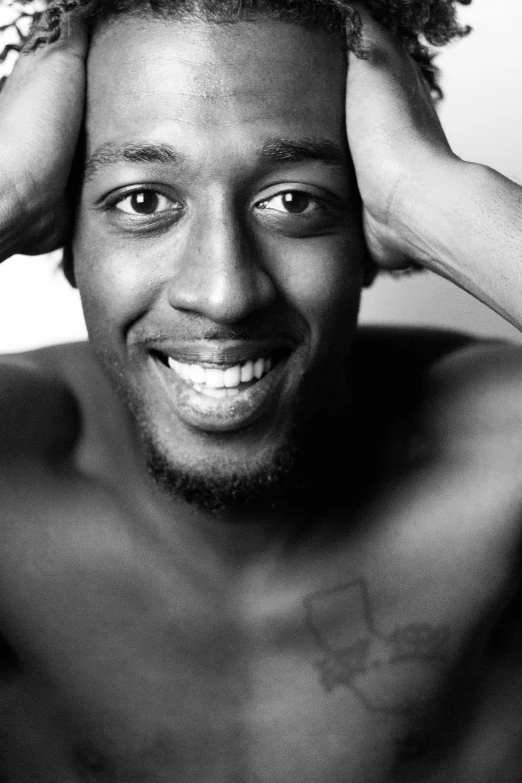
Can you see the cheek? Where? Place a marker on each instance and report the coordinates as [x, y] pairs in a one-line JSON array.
[[322, 279], [116, 282]]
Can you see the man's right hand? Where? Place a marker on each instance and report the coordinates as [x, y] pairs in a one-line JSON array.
[[41, 111]]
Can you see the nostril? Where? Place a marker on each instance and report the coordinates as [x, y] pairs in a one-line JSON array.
[[224, 290]]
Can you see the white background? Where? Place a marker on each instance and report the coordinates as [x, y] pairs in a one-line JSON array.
[[482, 116]]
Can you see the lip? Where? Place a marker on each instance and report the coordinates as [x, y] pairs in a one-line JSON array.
[[227, 414], [222, 353]]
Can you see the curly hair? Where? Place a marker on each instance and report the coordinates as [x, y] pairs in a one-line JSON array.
[[420, 25]]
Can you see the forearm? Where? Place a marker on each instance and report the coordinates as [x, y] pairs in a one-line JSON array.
[[465, 223]]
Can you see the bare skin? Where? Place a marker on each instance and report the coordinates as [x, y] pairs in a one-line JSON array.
[[368, 631]]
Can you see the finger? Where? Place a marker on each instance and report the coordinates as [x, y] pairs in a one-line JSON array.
[[41, 110], [71, 45], [47, 87], [383, 51]]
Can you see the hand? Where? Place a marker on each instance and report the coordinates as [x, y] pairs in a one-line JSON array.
[[421, 203], [41, 111], [398, 147]]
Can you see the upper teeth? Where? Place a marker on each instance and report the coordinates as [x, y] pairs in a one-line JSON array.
[[215, 378]]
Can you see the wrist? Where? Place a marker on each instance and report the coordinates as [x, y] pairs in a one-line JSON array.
[[435, 211]]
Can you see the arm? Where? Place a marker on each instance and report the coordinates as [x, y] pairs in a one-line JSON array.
[[422, 204], [41, 109]]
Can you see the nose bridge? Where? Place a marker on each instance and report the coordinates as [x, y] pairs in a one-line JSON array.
[[220, 275]]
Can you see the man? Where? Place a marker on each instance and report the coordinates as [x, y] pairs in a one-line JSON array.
[[315, 578]]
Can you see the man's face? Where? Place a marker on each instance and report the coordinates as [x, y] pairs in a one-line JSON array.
[[218, 248]]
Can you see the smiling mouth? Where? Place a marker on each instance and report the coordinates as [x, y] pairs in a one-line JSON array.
[[223, 390], [225, 381]]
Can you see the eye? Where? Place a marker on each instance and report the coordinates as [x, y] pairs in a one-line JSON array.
[[294, 202], [145, 202]]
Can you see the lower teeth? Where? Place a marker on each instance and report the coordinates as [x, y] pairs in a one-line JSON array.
[[210, 392]]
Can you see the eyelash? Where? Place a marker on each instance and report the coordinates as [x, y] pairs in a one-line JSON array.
[[262, 204], [321, 213], [114, 204], [312, 199]]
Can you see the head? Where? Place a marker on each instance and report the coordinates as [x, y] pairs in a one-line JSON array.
[[218, 246]]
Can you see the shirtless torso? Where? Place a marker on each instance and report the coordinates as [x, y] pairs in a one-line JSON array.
[[381, 644], [368, 630]]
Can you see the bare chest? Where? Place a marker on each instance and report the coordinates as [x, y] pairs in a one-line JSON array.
[[326, 690], [365, 662], [318, 693]]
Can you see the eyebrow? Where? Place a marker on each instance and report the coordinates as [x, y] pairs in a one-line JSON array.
[[303, 151], [274, 150], [112, 154]]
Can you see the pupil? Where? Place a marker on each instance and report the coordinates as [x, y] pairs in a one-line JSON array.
[[145, 202], [295, 201]]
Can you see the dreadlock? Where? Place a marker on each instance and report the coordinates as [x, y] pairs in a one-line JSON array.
[[420, 25]]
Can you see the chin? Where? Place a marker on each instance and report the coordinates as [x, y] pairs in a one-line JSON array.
[[223, 487]]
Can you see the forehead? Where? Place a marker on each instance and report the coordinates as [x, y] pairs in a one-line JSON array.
[[191, 82]]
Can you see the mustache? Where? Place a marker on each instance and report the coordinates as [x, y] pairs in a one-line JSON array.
[[195, 329]]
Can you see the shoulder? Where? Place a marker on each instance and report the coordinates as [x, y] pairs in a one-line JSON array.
[[422, 355], [40, 410], [480, 383], [475, 394], [455, 389]]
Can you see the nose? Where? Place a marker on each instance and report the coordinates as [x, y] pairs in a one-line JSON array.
[[220, 273]]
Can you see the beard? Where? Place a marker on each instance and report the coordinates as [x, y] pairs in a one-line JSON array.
[[216, 486], [295, 474], [302, 472], [266, 486], [226, 486]]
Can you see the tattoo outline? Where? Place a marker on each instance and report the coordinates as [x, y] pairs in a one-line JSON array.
[[365, 660]]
